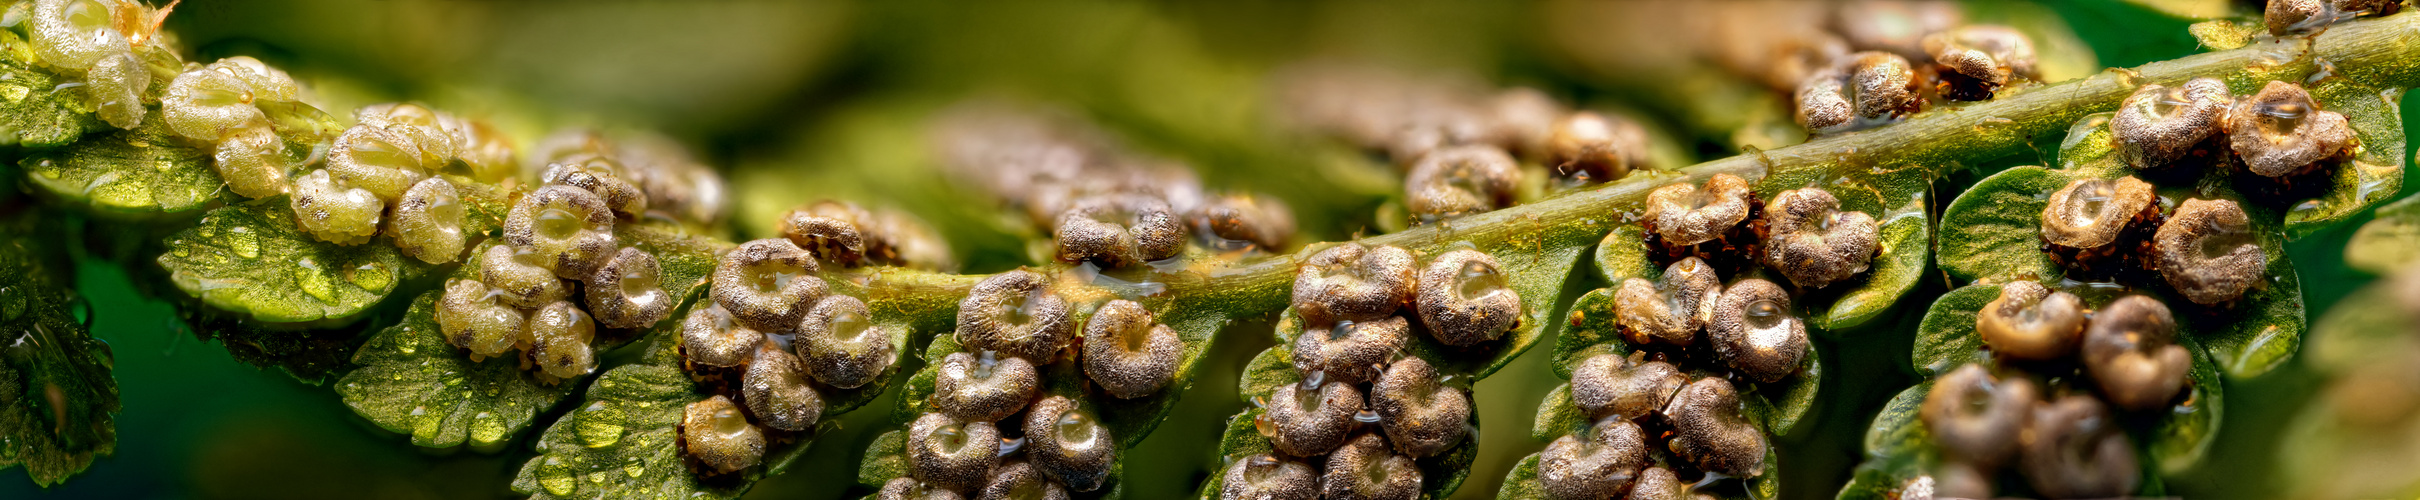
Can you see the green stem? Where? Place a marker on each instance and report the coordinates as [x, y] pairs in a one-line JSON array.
[[2380, 52]]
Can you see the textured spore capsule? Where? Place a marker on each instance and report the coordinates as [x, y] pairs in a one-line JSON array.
[[1465, 298], [2160, 126], [627, 291], [1980, 59], [1365, 470], [1709, 430], [1351, 351], [1266, 477], [206, 104], [1754, 331], [2099, 227], [767, 284], [951, 454], [264, 82], [472, 319], [2073, 448], [840, 344], [2280, 131], [76, 34], [1688, 214], [983, 386], [908, 488], [333, 211], [1815, 243], [2031, 322], [1120, 229], [596, 174], [1351, 281], [2208, 252], [1234, 222], [1127, 352], [1461, 180], [1597, 462], [1017, 314], [777, 393], [716, 434], [428, 222], [558, 338], [1671, 309], [710, 337], [1421, 414], [568, 226], [1864, 89], [376, 159], [520, 277], [1309, 422], [1975, 417], [831, 229], [1020, 480], [1609, 385], [2131, 351], [1586, 148], [1659, 483], [253, 161], [413, 127], [1069, 444]]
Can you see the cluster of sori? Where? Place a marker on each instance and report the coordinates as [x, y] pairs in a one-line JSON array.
[[1360, 306], [2038, 410], [557, 238], [2173, 135], [1461, 147], [1102, 203], [669, 183], [2206, 249], [1690, 339], [774, 336], [222, 104], [845, 234], [1015, 329], [392, 171], [2290, 17], [1802, 234], [115, 46], [1863, 70]]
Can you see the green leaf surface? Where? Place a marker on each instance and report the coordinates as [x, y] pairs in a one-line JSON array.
[[1945, 338], [1557, 416], [35, 111], [1992, 233], [2185, 435], [413, 382], [57, 395], [623, 442], [250, 260], [146, 170], [2388, 242], [1897, 449], [2376, 170]]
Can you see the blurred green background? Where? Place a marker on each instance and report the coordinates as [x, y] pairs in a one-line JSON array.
[[807, 100]]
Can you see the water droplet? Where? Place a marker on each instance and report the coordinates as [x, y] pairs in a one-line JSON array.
[[371, 276], [244, 242], [308, 276], [486, 427], [596, 427]]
